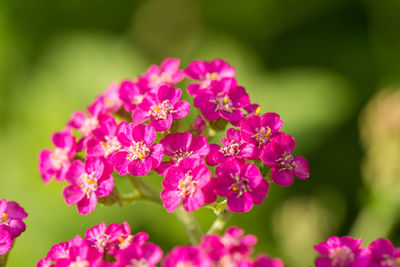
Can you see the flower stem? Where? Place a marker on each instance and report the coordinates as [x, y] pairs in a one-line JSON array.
[[143, 192], [221, 221], [3, 259], [190, 225]]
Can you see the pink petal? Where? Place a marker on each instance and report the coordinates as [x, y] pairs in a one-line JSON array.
[[75, 171], [181, 109], [140, 167], [194, 202], [87, 205], [170, 199], [73, 194], [302, 170], [282, 178], [243, 203]]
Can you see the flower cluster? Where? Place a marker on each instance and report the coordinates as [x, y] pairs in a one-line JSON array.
[[347, 252], [106, 246], [134, 128], [232, 249], [11, 224], [115, 246]]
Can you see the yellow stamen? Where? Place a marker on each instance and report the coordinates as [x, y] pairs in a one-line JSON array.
[[141, 156], [154, 77], [158, 109], [235, 188], [121, 239], [104, 144], [108, 102], [5, 217], [397, 261], [182, 184], [214, 76], [258, 110], [91, 181], [226, 100]]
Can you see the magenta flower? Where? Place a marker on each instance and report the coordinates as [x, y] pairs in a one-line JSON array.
[[184, 183], [88, 181], [133, 93], [207, 72], [265, 261], [135, 254], [259, 130], [108, 102], [186, 256], [5, 241], [104, 238], [278, 155], [233, 147], [180, 146], [223, 99], [12, 215], [162, 109], [104, 141], [56, 163], [383, 254], [83, 123], [233, 249], [82, 255], [342, 252], [138, 154], [241, 183], [167, 74]]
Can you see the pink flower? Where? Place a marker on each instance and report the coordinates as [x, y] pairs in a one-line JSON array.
[[104, 141], [56, 163], [5, 241], [184, 183], [133, 93], [12, 215], [259, 130], [108, 102], [162, 109], [180, 146], [138, 154], [383, 254], [342, 252], [186, 256], [207, 72], [197, 126], [88, 181], [223, 99], [233, 147], [103, 237], [278, 155], [167, 74], [135, 254], [241, 183], [265, 261]]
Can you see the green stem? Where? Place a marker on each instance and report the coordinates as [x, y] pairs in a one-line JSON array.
[[3, 259], [221, 221], [190, 225], [143, 192]]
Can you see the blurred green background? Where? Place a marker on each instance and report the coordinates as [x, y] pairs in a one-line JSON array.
[[317, 63]]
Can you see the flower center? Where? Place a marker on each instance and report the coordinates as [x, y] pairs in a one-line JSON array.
[[88, 126], [180, 155], [185, 264], [240, 186], [110, 145], [341, 255], [391, 262], [232, 149], [160, 79], [139, 263], [79, 263], [138, 151], [89, 184], [222, 102], [124, 242], [286, 162], [160, 112], [187, 186], [59, 158], [262, 135], [4, 218]]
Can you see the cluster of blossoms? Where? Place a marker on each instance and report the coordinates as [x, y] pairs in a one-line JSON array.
[[11, 224], [134, 128], [347, 252], [115, 246]]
